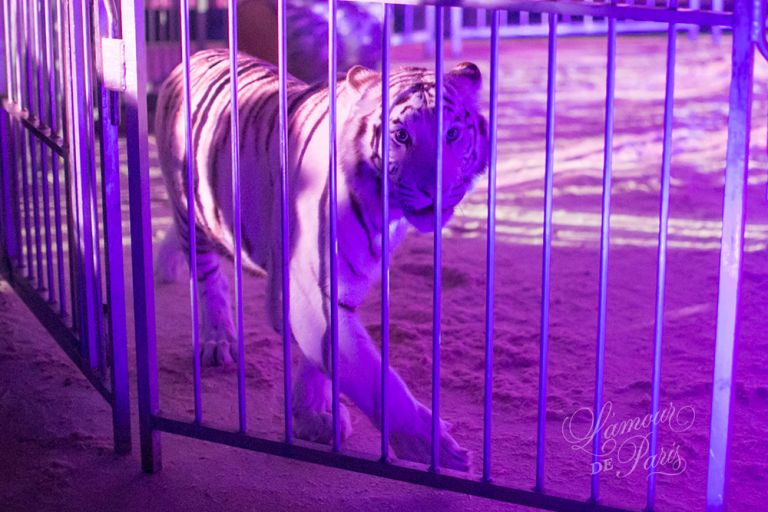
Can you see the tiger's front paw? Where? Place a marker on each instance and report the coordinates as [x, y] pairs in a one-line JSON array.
[[416, 445], [218, 347], [222, 352], [317, 425]]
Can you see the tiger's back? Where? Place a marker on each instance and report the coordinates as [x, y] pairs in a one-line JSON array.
[[211, 142]]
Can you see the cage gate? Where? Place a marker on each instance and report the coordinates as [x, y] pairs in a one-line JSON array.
[[48, 88], [61, 228]]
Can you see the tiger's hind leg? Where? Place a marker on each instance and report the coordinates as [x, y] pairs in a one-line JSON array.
[[218, 343], [171, 263]]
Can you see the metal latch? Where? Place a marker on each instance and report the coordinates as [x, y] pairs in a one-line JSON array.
[[113, 64]]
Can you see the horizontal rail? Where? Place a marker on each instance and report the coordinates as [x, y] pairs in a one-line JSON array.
[[372, 465], [35, 126], [563, 30], [55, 326], [572, 8]]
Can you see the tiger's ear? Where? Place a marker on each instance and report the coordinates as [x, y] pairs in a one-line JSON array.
[[467, 76], [359, 77]]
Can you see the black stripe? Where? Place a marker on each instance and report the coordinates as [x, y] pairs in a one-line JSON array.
[[359, 215]]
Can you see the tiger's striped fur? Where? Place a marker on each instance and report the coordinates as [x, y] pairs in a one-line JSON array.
[[411, 172]]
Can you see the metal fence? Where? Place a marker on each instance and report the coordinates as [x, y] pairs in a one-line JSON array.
[[411, 24], [48, 78], [61, 220]]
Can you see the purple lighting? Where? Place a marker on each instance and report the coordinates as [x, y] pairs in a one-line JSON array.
[[563, 337]]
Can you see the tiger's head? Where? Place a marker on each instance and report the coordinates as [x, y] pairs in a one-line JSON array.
[[413, 145]]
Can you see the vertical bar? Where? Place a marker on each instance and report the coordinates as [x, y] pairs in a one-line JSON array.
[[200, 28], [113, 246], [11, 42], [191, 231], [98, 351], [40, 55], [661, 257], [438, 238], [546, 257], [429, 28], [332, 66], [457, 18], [31, 51], [70, 177], [5, 68], [731, 253], [408, 19], [73, 178], [717, 30], [7, 243], [490, 269], [22, 134], [52, 114], [8, 240], [385, 33], [693, 30], [284, 219], [7, 151], [85, 173], [604, 243], [137, 136], [589, 21], [21, 77], [237, 218]]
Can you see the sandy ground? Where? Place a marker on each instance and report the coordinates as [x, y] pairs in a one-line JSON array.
[[56, 449]]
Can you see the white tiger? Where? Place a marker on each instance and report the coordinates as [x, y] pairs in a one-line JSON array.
[[411, 172]]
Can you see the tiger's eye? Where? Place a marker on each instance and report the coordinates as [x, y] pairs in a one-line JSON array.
[[402, 136], [452, 135]]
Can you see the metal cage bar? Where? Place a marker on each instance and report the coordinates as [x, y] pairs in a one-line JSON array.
[[46, 39], [50, 9], [490, 268], [10, 216], [438, 237], [284, 219], [39, 68], [117, 329], [83, 161], [136, 130], [731, 253], [386, 29], [191, 231], [237, 220], [21, 51], [546, 257], [332, 221], [31, 51], [661, 258], [7, 224], [604, 245]]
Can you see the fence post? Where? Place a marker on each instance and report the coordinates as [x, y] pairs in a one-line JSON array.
[[137, 135], [731, 253], [109, 27]]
